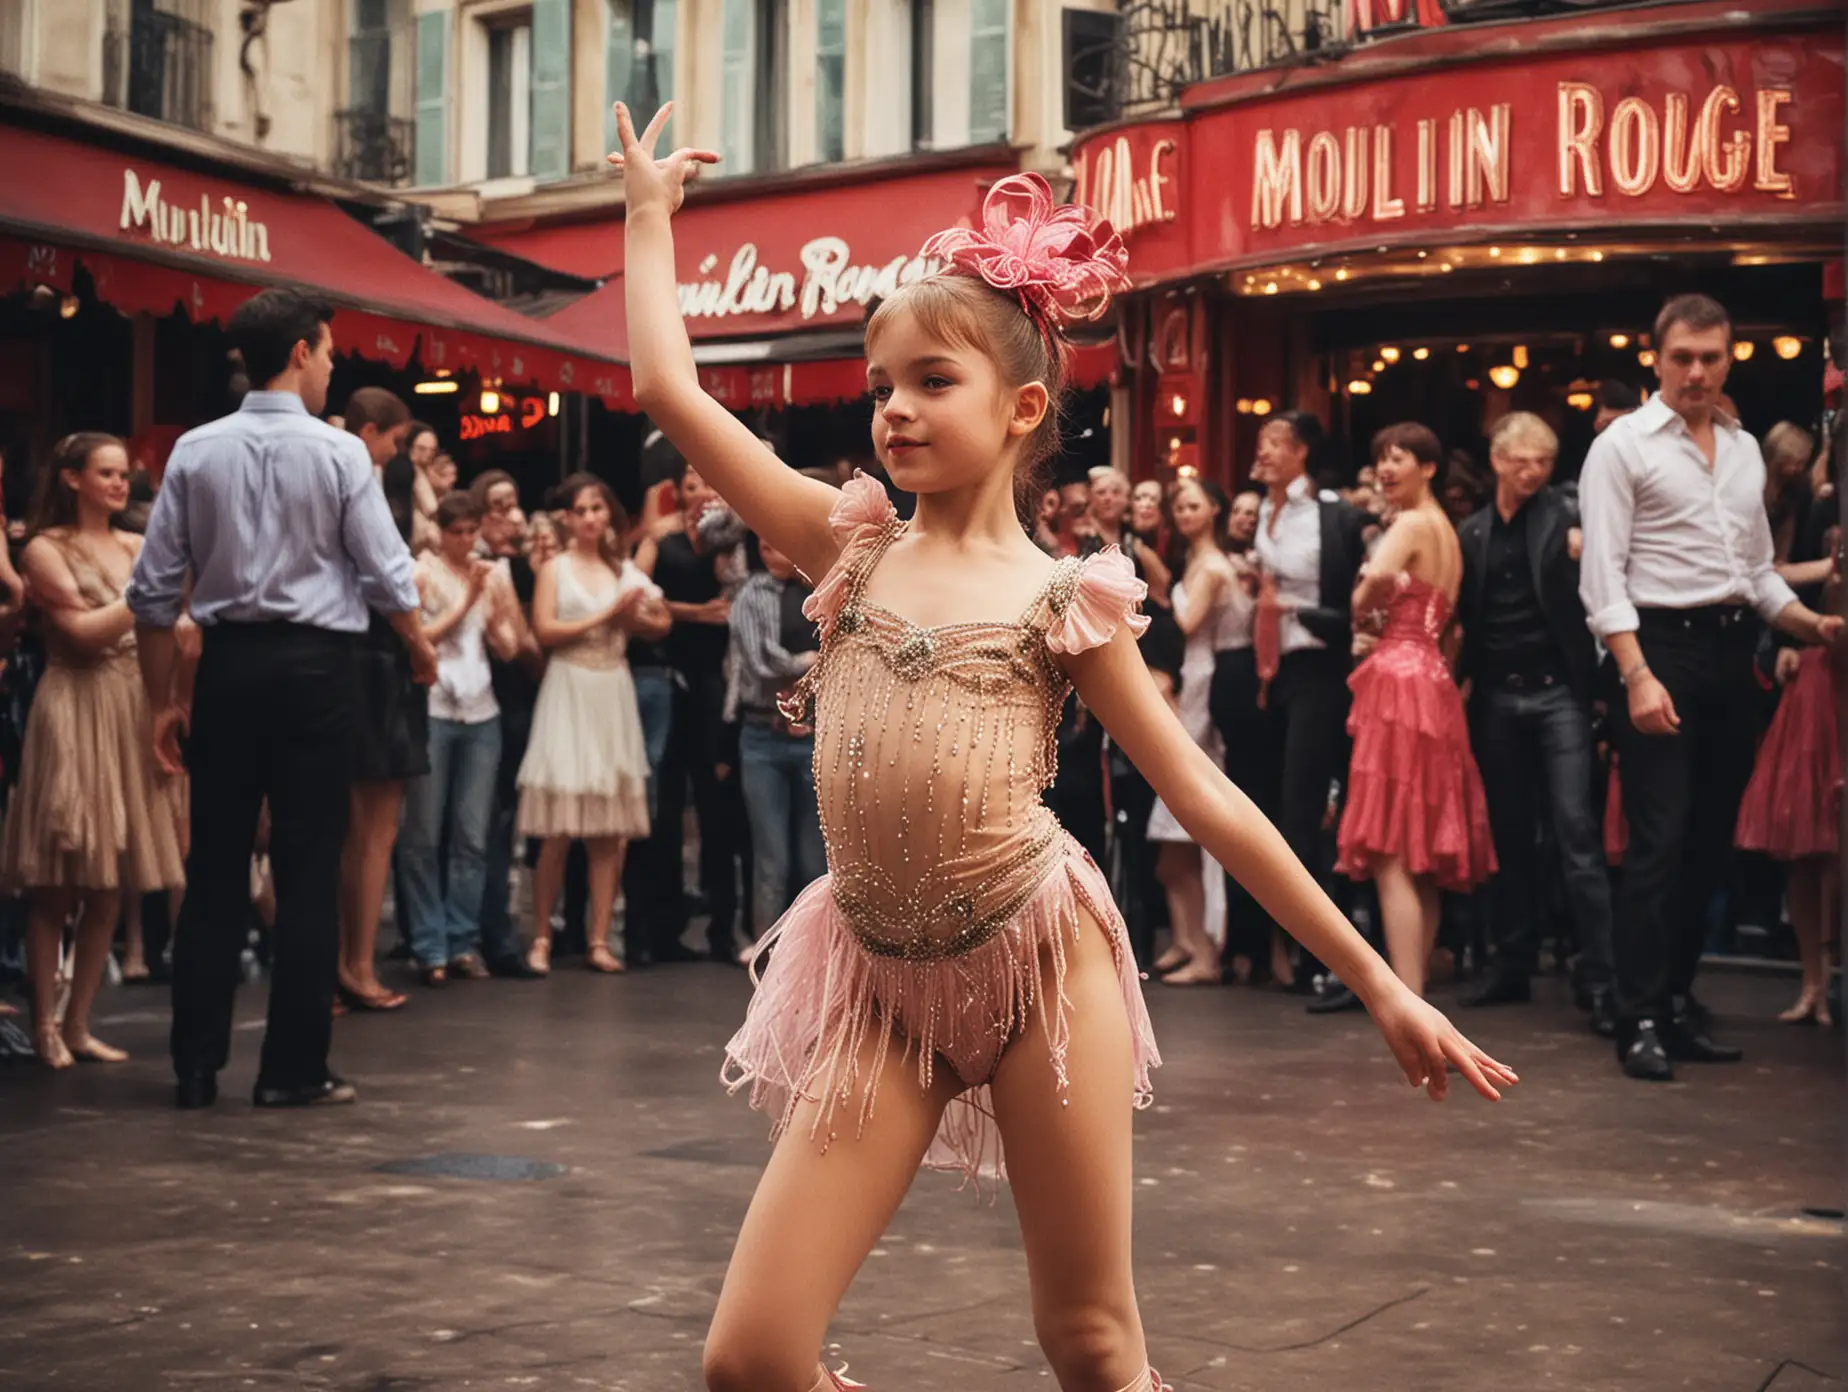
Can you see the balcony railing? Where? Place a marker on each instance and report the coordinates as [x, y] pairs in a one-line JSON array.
[[159, 63], [1143, 57], [373, 147]]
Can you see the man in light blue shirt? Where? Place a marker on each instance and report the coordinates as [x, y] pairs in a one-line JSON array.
[[275, 517]]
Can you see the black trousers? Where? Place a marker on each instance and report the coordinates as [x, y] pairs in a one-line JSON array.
[[1252, 765], [1303, 749], [695, 749], [272, 718], [1681, 797], [1534, 745]]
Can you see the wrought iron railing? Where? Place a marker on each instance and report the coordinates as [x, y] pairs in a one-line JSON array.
[[1142, 58], [158, 62], [373, 147]]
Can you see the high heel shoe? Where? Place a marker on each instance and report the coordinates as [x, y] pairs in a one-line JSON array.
[[539, 957], [1172, 960], [49, 1045], [600, 959], [87, 1048], [1811, 1009]]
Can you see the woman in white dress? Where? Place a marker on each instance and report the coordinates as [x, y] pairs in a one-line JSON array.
[[1213, 606], [585, 774]]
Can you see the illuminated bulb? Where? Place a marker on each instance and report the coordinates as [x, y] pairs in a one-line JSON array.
[[1379, 364], [1360, 386], [70, 304], [490, 403], [551, 405], [1462, 347], [1186, 471], [1620, 340], [1447, 268], [1314, 284], [1341, 274], [1243, 406], [1260, 407], [1579, 401], [1390, 354], [440, 387], [1742, 350], [1597, 256], [1174, 444], [1494, 251], [1528, 256], [1559, 254], [1178, 405], [1423, 254], [1270, 287], [1520, 356], [1505, 375], [1646, 358], [1786, 347], [1421, 353]]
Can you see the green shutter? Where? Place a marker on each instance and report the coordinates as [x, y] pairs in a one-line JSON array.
[[662, 43], [830, 78], [988, 68], [736, 68], [433, 99], [551, 82], [618, 59]]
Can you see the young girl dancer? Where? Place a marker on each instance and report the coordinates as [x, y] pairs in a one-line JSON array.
[[962, 961]]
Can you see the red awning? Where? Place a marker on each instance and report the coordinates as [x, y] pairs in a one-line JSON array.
[[155, 237]]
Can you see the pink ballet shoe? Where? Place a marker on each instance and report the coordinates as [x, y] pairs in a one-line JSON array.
[[838, 1380], [1150, 1382]]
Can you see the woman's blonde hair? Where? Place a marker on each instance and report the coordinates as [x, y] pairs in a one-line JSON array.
[[961, 310], [1788, 446]]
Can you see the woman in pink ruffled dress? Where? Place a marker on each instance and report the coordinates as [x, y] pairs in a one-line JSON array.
[[1416, 821], [961, 963]]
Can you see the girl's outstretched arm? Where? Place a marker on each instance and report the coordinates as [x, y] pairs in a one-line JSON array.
[[780, 505], [1114, 683]]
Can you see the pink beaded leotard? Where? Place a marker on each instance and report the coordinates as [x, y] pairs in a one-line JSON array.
[[953, 894]]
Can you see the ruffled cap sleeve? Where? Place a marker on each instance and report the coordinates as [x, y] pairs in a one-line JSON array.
[[1105, 595], [860, 515]]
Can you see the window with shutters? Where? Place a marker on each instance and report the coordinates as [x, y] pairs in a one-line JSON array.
[[639, 61], [754, 64], [923, 72], [18, 33], [988, 71], [374, 134], [430, 160], [509, 97], [830, 79]]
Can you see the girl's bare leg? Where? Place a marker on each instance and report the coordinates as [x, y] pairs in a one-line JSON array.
[[95, 931], [365, 866], [605, 856], [1178, 868], [1402, 906], [1070, 1170], [46, 913], [815, 1216], [548, 881], [134, 944], [1803, 889]]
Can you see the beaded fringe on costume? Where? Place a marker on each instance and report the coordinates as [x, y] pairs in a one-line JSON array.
[[824, 996]]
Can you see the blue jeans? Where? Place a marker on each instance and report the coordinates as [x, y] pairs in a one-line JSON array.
[[654, 700], [1534, 748], [457, 797], [779, 797]]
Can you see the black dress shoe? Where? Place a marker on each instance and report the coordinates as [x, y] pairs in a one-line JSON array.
[[515, 968], [330, 1092], [1695, 1012], [1502, 988], [678, 951], [1642, 1056], [1603, 1012], [1688, 1043], [1333, 999], [195, 1091]]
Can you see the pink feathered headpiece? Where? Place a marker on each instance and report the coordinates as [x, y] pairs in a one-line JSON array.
[[1063, 262]]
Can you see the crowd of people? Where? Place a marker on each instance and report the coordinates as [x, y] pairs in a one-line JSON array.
[[1483, 715]]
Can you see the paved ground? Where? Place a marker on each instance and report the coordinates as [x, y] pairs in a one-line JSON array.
[[1304, 1222]]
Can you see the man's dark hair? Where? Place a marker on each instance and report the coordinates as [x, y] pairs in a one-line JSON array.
[[269, 324], [457, 505], [1304, 426], [375, 406], [661, 462], [1614, 395], [1696, 312]]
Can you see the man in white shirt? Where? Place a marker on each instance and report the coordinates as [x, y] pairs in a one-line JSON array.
[[1314, 546], [1677, 567]]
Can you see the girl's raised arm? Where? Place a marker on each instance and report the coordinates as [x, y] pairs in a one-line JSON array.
[[787, 509], [1114, 684]]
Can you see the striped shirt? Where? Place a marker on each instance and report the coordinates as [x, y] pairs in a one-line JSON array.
[[760, 666]]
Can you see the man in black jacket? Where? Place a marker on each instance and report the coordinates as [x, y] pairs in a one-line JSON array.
[[1531, 664], [1314, 546]]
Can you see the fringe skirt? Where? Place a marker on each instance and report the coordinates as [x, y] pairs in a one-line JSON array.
[[823, 994]]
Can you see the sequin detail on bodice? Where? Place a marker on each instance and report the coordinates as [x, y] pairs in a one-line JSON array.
[[932, 747], [1415, 621]]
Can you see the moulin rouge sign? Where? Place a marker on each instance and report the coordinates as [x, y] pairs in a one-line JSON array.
[[829, 282], [224, 229]]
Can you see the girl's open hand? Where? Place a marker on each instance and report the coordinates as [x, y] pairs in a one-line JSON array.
[[646, 181], [1425, 1043]]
